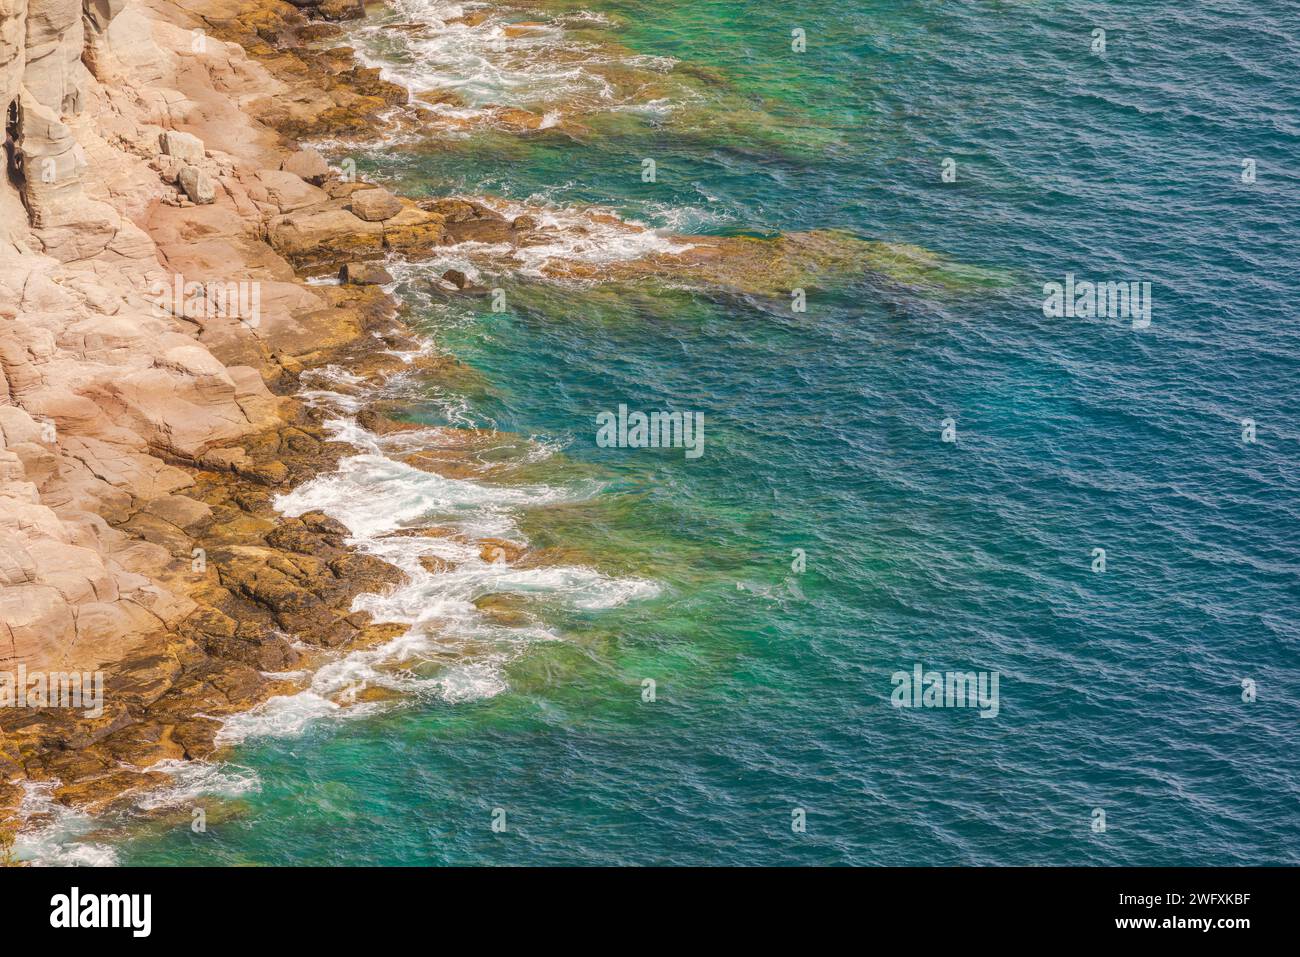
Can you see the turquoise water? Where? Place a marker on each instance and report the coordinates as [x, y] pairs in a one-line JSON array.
[[1120, 691]]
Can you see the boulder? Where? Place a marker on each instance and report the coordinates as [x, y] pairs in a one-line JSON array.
[[197, 185], [375, 205], [325, 236], [414, 230], [287, 190], [183, 146]]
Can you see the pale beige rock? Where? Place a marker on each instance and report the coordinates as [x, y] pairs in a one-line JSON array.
[[375, 205], [197, 185], [17, 425], [101, 380], [17, 567], [364, 274], [97, 53], [287, 191]]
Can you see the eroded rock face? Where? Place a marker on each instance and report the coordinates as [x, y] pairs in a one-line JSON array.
[[42, 90], [53, 74], [97, 15]]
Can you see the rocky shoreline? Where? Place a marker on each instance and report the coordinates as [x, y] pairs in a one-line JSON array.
[[141, 447], [159, 224]]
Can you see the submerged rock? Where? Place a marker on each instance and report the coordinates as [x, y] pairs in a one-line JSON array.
[[500, 551], [434, 565], [440, 98], [452, 210]]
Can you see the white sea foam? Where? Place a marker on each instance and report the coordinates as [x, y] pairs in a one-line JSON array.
[[589, 236], [53, 838], [284, 716], [469, 682], [451, 648], [191, 780], [372, 494], [540, 66]]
